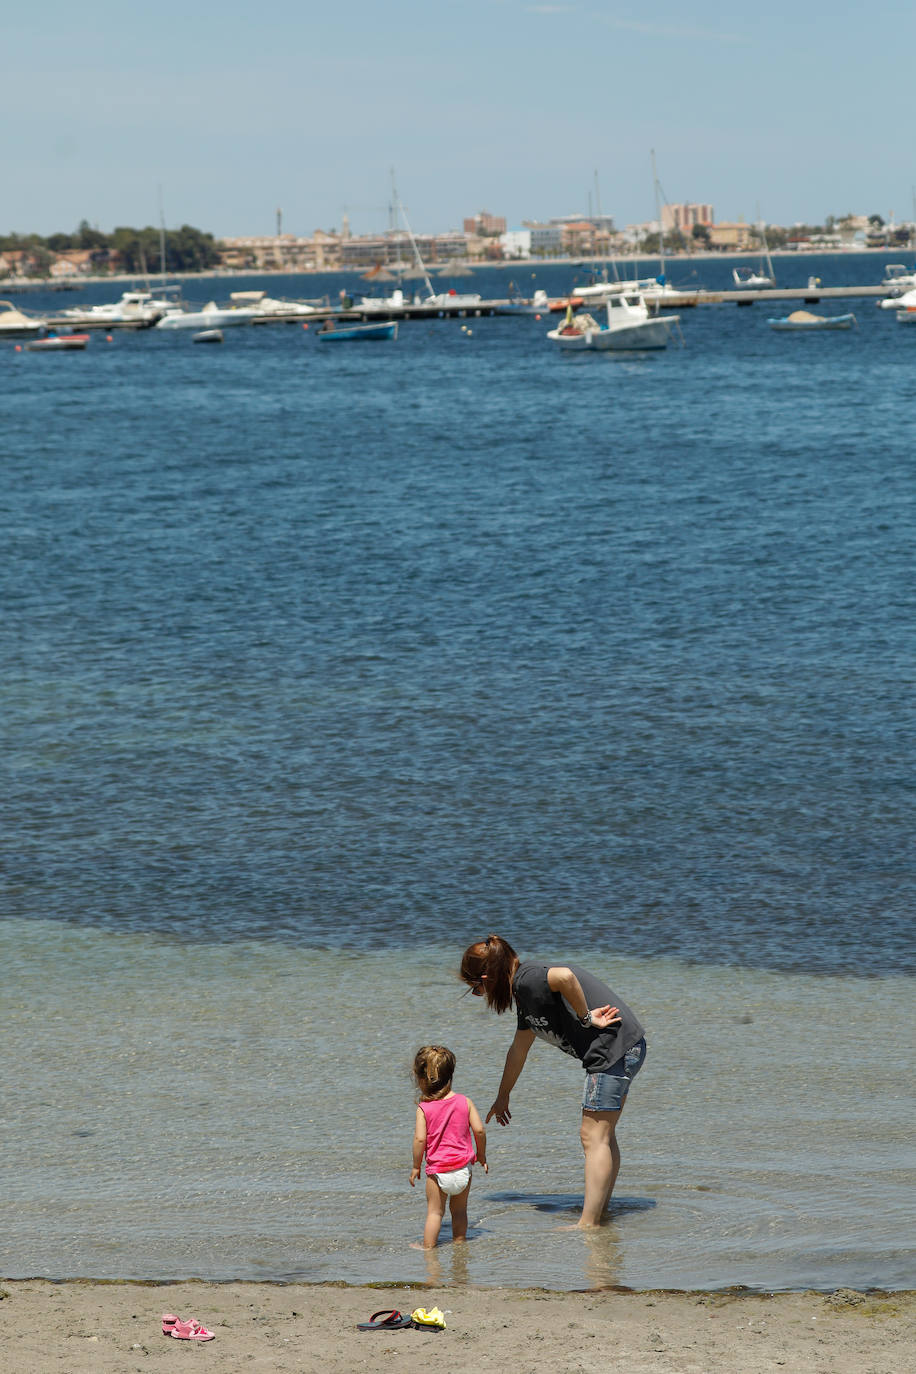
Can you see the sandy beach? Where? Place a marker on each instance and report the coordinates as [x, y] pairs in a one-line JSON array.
[[113, 1328]]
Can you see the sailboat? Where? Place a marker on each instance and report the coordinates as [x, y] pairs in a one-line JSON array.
[[748, 277], [657, 291], [452, 299]]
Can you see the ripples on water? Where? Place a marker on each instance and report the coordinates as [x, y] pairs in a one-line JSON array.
[[333, 646]]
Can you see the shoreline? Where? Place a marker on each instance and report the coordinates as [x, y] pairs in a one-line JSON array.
[[439, 268], [112, 1327]]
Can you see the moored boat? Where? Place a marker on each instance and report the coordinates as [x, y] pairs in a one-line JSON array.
[[211, 316], [15, 323], [629, 326], [57, 343], [346, 333], [135, 310], [807, 320]]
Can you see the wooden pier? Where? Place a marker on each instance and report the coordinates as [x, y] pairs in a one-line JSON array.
[[764, 294]]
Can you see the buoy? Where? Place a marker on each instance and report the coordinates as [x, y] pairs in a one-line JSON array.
[[110, 338], [19, 348], [305, 326], [537, 317]]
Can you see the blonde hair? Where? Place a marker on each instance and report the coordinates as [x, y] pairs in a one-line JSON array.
[[434, 1069]]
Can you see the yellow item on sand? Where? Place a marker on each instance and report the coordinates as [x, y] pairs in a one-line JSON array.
[[432, 1318]]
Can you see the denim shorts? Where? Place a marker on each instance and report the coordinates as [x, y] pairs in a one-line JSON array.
[[606, 1092]]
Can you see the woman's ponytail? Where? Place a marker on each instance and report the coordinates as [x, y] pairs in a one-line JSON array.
[[489, 965]]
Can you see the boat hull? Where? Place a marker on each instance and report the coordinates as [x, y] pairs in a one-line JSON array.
[[206, 319], [813, 326], [58, 343], [351, 333], [645, 334]]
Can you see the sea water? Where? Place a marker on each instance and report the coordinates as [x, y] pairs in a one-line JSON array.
[[320, 662]]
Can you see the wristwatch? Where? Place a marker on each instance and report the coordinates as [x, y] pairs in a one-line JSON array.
[[585, 1020]]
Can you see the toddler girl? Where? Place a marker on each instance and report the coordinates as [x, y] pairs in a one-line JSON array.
[[450, 1133]]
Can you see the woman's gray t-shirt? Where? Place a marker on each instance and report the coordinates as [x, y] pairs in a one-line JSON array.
[[551, 1017]]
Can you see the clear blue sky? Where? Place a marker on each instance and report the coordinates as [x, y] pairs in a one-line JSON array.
[[230, 110]]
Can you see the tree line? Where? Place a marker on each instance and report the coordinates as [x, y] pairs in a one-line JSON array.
[[124, 250]]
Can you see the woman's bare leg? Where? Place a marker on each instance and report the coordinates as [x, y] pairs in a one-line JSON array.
[[602, 1163]]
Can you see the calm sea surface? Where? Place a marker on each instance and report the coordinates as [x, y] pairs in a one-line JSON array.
[[319, 662]]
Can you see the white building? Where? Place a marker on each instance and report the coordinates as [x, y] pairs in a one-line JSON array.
[[516, 243]]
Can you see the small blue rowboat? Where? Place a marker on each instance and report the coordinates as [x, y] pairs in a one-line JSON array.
[[805, 319], [343, 333]]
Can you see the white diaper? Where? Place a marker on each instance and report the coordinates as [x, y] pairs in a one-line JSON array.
[[455, 1182]]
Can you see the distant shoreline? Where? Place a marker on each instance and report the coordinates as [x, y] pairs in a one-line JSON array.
[[438, 268]]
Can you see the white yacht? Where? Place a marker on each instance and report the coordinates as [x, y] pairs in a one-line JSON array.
[[13, 322], [211, 316], [135, 309]]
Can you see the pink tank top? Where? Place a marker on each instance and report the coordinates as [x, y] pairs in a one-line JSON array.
[[449, 1141]]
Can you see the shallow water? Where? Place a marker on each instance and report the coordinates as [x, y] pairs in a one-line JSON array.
[[318, 663], [245, 1110]]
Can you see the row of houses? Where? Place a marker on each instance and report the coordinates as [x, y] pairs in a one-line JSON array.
[[484, 237]]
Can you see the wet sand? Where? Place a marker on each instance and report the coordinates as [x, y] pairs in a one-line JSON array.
[[115, 1328]]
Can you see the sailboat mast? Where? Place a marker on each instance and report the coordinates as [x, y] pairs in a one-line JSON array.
[[413, 243], [161, 238], [658, 216], [766, 247]]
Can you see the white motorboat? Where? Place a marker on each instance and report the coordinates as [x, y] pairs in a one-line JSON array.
[[396, 301], [135, 309], [267, 309], [905, 300], [654, 291], [453, 300], [211, 316], [14, 323], [630, 325], [898, 278], [747, 279]]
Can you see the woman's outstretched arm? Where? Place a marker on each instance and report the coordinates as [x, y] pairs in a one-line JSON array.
[[515, 1062]]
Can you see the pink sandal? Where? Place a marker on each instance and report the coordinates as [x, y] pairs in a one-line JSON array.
[[190, 1331]]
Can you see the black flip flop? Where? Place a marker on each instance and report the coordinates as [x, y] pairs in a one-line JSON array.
[[392, 1320]]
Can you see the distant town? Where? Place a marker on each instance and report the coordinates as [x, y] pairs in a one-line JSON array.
[[484, 238]]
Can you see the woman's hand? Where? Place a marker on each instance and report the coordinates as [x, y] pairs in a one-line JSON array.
[[602, 1017], [500, 1110], [414, 1175]]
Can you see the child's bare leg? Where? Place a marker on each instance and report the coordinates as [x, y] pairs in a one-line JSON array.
[[458, 1206], [435, 1211]]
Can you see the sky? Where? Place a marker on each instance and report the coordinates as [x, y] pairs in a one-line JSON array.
[[220, 114]]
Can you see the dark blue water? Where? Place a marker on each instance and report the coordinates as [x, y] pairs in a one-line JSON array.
[[338, 646]]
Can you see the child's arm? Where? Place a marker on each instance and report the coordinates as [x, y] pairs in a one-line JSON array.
[[479, 1134], [419, 1146]]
